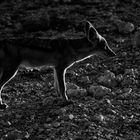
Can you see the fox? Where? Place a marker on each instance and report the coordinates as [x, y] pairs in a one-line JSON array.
[[59, 53]]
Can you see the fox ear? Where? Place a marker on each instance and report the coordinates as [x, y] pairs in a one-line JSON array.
[[92, 34], [87, 27]]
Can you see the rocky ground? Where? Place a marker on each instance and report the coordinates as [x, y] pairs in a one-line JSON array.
[[105, 92]]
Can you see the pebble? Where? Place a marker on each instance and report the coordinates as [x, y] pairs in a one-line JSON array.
[[131, 72], [46, 125], [107, 79], [122, 26], [136, 41], [14, 135], [129, 77], [98, 91], [48, 101], [119, 78], [56, 124], [71, 86], [128, 81], [77, 92], [71, 116], [84, 79]]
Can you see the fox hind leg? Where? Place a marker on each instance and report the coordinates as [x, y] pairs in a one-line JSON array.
[[56, 85], [59, 82], [7, 72]]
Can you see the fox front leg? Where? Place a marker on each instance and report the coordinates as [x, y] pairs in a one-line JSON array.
[[2, 105], [59, 82], [7, 72]]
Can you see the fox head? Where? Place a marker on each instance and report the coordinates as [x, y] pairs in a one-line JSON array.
[[97, 44]]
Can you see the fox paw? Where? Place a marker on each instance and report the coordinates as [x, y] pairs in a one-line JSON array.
[[67, 102], [61, 102], [3, 106]]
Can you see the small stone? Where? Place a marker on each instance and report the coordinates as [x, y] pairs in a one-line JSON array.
[[89, 67], [13, 135], [128, 90], [5, 123], [40, 130], [130, 77], [107, 79], [84, 79], [76, 92], [123, 27], [71, 116], [46, 125], [131, 72], [129, 27], [18, 116], [119, 91], [119, 78], [48, 101], [98, 91], [49, 119], [136, 41], [71, 86], [137, 53], [128, 81], [18, 26], [56, 124], [124, 54]]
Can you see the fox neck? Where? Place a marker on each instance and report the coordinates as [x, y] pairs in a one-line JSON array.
[[81, 48]]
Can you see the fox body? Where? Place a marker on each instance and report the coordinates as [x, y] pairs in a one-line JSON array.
[[60, 53]]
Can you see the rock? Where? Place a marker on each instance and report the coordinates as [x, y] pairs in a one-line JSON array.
[[136, 41], [14, 135], [129, 27], [71, 86], [123, 27], [128, 81], [84, 79], [46, 125], [76, 92], [48, 101], [125, 93], [119, 78], [107, 79], [124, 54], [71, 116], [118, 91], [56, 124], [98, 91], [18, 27], [131, 72], [127, 90], [129, 77], [89, 67]]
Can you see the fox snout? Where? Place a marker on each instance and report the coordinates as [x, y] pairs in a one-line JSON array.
[[107, 50], [110, 52]]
